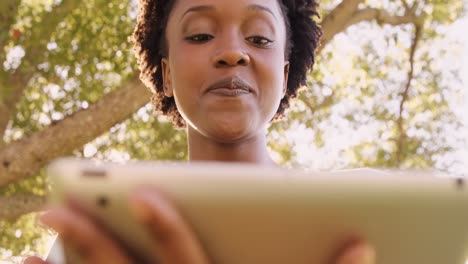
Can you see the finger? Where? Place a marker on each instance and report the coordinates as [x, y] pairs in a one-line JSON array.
[[357, 253], [175, 240], [34, 260], [83, 235]]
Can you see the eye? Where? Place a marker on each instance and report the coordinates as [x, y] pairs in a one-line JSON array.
[[199, 38], [260, 41]]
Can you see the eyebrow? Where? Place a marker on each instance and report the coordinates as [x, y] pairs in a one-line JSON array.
[[198, 9], [256, 7], [253, 7]]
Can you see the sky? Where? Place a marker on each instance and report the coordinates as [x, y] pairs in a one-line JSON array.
[[459, 31]]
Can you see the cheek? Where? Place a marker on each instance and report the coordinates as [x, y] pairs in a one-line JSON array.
[[188, 69], [272, 84]]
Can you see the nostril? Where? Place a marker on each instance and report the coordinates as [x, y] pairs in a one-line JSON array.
[[232, 62], [222, 62]]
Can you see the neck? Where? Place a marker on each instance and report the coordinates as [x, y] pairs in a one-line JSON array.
[[251, 150]]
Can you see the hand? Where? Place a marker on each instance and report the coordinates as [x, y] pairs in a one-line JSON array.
[[174, 241]]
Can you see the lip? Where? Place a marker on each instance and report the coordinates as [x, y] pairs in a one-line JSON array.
[[230, 87]]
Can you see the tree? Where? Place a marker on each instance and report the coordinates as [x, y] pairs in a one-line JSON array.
[[69, 86]]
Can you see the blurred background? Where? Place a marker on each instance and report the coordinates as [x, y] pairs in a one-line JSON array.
[[389, 90]]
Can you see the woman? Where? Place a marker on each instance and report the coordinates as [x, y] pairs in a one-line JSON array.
[[223, 69]]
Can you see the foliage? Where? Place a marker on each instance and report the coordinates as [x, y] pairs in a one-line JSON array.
[[357, 90], [352, 115]]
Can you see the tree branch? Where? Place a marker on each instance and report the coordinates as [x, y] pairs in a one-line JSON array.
[[330, 28], [12, 207], [404, 95], [4, 118], [326, 102], [340, 19], [406, 5], [13, 85], [382, 17], [26, 156], [40, 38], [8, 14], [336, 20], [7, 107], [7, 17]]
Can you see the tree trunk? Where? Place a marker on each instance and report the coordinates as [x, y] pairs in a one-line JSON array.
[[26, 156], [12, 207]]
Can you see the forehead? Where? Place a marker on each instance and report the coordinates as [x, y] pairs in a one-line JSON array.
[[181, 7]]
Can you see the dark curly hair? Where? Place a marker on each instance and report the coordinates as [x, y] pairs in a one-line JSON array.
[[150, 46]]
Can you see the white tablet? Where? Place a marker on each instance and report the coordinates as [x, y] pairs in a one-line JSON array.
[[252, 214]]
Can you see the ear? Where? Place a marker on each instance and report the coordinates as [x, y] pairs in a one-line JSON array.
[[166, 75], [286, 76]]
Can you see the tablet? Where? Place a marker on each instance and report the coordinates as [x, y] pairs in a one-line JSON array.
[[252, 214]]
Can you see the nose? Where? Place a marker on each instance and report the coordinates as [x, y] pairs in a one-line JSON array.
[[231, 58], [230, 54]]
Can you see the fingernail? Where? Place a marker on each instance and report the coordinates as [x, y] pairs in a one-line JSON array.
[[367, 255], [140, 210], [139, 205], [361, 253], [52, 219]]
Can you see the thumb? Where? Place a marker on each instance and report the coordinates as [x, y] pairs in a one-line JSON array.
[[358, 253]]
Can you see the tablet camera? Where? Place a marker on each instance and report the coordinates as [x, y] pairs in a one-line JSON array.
[[460, 183], [102, 201]]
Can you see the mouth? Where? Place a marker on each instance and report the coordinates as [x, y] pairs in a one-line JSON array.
[[230, 87]]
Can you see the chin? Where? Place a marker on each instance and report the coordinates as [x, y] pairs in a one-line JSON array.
[[229, 130]]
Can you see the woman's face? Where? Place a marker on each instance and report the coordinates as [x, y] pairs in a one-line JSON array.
[[226, 65]]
